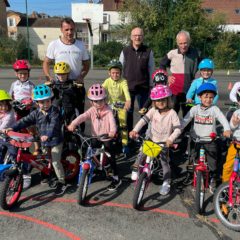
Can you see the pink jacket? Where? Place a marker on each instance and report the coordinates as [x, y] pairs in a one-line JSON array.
[[163, 127], [102, 121]]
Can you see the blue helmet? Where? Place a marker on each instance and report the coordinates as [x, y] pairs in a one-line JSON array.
[[206, 63], [42, 92], [207, 87]]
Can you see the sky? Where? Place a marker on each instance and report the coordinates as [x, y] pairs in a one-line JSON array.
[[50, 7]]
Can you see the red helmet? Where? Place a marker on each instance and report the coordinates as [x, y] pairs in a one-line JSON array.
[[21, 65]]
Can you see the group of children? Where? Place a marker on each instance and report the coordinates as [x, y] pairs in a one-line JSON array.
[[58, 105]]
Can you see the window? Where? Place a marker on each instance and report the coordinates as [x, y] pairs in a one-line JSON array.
[[105, 18], [104, 37], [237, 10], [208, 10], [11, 22]]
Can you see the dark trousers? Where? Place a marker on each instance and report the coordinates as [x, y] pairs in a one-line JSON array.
[[141, 95], [178, 101], [82, 93]]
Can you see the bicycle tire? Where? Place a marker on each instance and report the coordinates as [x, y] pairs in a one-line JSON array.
[[70, 161], [139, 190], [83, 187], [220, 202], [200, 193], [5, 190]]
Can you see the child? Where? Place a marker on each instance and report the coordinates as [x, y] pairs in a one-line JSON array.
[[165, 127], [235, 127], [205, 67], [160, 76], [205, 116], [47, 120], [7, 119], [117, 91], [66, 94], [22, 89], [102, 122]]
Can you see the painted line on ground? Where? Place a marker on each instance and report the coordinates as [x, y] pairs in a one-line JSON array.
[[122, 205], [40, 222]]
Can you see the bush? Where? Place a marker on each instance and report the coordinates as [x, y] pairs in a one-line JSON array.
[[106, 51]]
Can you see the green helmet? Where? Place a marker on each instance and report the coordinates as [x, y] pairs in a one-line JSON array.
[[4, 95], [115, 64]]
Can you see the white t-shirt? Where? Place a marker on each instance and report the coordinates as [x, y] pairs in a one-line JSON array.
[[72, 54], [20, 90]]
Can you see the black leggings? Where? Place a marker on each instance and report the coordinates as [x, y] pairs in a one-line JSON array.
[[109, 148]]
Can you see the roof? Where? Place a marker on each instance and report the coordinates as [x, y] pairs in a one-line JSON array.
[[7, 3], [40, 22], [230, 8], [111, 5]]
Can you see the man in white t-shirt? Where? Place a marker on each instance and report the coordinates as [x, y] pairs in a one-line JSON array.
[[72, 51]]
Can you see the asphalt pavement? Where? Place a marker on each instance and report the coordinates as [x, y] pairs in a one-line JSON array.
[[107, 215]]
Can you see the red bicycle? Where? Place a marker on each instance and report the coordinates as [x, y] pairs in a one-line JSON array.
[[227, 197], [12, 186]]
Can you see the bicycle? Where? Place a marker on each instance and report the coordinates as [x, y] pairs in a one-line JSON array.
[[12, 186], [227, 197], [95, 158], [122, 133], [149, 165], [200, 172]]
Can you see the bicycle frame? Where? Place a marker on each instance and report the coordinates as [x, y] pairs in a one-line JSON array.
[[201, 166], [235, 177]]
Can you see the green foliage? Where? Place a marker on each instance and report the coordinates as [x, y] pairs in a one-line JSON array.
[[226, 52], [161, 20], [106, 51]]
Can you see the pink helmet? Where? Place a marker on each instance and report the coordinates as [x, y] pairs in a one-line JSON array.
[[160, 92], [96, 92], [21, 64]]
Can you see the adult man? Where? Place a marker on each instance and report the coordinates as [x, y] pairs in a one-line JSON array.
[[138, 65], [68, 49], [183, 63]]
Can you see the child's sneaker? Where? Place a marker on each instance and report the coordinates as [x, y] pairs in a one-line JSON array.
[[165, 188], [212, 185], [61, 188], [114, 184]]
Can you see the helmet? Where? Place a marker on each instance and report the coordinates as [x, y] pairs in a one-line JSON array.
[[207, 87], [4, 95], [42, 92], [21, 65], [115, 64], [160, 92], [96, 92], [160, 76], [206, 63], [61, 68]]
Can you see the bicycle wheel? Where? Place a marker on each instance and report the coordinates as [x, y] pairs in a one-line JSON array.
[[10, 191], [83, 187], [228, 215], [70, 161], [139, 190], [200, 192]]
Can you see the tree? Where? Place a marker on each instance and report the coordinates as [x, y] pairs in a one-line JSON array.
[[163, 19]]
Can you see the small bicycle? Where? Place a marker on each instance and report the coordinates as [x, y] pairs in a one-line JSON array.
[[200, 172], [227, 197], [12, 186], [95, 158], [232, 107], [149, 165]]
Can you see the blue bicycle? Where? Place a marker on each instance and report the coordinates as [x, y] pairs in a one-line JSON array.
[[95, 158]]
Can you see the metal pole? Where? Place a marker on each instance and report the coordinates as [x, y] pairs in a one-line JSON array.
[[88, 20], [28, 48]]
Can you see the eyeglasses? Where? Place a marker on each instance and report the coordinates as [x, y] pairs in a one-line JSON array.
[[98, 101], [137, 35]]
